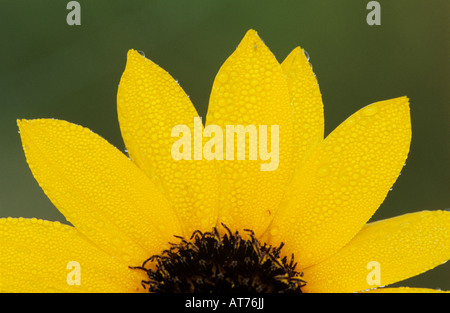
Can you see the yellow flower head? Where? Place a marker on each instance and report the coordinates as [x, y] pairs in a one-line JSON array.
[[290, 193]]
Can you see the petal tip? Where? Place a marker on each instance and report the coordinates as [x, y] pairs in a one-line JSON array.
[[134, 58], [136, 61], [298, 51], [403, 104], [21, 123], [404, 99], [251, 32], [251, 39], [133, 53], [298, 58]]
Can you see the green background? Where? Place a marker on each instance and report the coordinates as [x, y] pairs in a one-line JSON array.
[[50, 69]]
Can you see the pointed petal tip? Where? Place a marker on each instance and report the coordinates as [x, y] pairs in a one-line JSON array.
[[400, 104], [402, 99], [133, 56], [133, 52], [134, 59], [297, 58], [298, 51], [23, 120], [137, 61], [251, 32], [403, 104], [251, 39], [21, 123]]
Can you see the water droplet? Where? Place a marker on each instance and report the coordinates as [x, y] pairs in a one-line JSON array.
[[370, 110], [223, 77], [274, 231], [141, 53], [323, 171], [306, 54], [116, 241], [162, 228]]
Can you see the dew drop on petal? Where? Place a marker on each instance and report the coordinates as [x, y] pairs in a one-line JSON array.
[[306, 54], [370, 110], [126, 257], [274, 231], [223, 77], [323, 171]]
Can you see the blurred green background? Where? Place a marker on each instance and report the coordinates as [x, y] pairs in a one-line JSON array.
[[50, 69]]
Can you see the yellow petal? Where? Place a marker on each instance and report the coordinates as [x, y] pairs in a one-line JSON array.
[[306, 103], [98, 189], [42, 256], [150, 104], [343, 181], [405, 290], [402, 247], [251, 90]]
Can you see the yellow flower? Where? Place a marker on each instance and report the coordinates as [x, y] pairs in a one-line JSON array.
[[317, 202]]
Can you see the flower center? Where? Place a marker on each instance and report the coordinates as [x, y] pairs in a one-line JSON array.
[[212, 263]]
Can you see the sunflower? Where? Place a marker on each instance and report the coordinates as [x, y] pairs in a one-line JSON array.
[[149, 222]]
